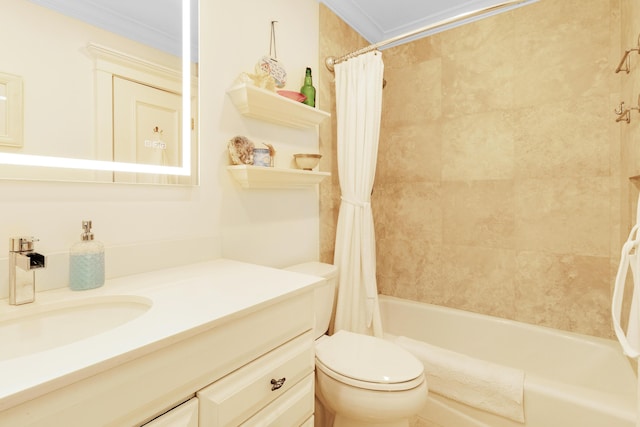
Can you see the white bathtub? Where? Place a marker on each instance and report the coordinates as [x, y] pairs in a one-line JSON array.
[[571, 380]]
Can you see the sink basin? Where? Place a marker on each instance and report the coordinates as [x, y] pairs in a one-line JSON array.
[[31, 329]]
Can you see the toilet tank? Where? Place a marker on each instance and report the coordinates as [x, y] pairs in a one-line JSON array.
[[324, 295]]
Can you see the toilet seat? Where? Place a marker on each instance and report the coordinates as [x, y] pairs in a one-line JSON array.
[[368, 362]]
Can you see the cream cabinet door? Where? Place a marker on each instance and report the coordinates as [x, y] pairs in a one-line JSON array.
[[273, 390], [146, 129], [185, 415]]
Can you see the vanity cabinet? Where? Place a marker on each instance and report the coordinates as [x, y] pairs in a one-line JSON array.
[[276, 389], [224, 371], [185, 415]]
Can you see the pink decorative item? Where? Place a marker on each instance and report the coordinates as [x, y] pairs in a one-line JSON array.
[[296, 96]]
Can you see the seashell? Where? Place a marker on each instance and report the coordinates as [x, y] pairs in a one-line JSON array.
[[240, 150]]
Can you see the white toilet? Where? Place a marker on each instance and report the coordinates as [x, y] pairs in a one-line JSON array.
[[360, 379]]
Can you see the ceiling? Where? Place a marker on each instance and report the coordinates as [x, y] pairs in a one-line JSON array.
[[380, 20], [156, 23]]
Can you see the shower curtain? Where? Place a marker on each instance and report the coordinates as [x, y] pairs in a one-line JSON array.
[[358, 106]]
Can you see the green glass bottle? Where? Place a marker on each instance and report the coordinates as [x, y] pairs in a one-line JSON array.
[[308, 90]]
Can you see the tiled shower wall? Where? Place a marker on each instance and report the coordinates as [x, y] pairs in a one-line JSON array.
[[499, 185], [629, 93]]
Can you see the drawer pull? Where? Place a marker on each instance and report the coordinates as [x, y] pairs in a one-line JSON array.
[[276, 384]]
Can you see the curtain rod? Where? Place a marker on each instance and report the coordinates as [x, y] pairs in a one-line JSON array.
[[330, 61]]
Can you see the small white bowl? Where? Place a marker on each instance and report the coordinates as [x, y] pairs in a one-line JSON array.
[[307, 161]]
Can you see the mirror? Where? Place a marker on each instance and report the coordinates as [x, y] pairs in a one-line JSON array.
[[68, 67], [10, 110]]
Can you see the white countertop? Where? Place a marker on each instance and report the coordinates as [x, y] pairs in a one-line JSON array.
[[185, 301]]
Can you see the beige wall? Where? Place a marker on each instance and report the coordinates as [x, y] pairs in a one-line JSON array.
[[498, 180], [147, 227], [265, 226]]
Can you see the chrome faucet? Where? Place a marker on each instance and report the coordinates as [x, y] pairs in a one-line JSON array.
[[22, 263]]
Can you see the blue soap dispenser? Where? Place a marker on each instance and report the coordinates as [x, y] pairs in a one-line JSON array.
[[86, 261]]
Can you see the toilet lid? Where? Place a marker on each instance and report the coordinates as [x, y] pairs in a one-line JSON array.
[[368, 359]]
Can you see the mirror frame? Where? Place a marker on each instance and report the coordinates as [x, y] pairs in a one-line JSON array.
[[103, 165], [13, 98]]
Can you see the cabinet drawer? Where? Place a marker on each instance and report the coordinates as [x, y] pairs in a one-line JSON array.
[[184, 415], [234, 398], [291, 409], [308, 423]]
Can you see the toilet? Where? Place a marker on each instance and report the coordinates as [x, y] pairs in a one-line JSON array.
[[360, 380]]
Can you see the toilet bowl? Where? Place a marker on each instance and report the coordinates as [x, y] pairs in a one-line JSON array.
[[368, 381], [361, 380]]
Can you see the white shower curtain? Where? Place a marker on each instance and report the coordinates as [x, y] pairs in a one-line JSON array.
[[358, 106]]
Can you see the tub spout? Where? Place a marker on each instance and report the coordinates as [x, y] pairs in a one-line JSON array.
[[23, 261]]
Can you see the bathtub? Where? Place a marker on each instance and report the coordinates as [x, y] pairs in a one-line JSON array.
[[571, 380]]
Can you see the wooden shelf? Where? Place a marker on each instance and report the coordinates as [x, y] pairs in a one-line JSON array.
[[263, 177], [252, 101]]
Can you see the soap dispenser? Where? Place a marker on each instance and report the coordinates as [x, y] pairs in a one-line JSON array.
[[86, 261]]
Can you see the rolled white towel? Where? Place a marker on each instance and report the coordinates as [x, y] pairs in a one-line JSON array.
[[488, 386]]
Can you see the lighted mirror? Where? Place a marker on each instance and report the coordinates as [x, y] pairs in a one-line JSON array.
[[10, 110], [109, 90]]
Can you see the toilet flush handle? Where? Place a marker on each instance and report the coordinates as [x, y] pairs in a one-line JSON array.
[[276, 384]]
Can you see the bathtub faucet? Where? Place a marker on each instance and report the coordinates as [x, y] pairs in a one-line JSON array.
[[23, 261]]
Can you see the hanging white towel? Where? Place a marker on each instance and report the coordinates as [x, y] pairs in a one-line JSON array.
[[629, 259], [488, 386]]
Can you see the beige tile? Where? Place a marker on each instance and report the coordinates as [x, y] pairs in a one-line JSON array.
[[412, 95], [570, 139], [409, 154], [410, 268], [421, 422], [478, 146], [563, 51], [408, 211], [477, 67], [563, 215], [470, 85], [478, 213], [482, 35], [550, 19], [479, 279], [409, 54], [336, 37], [568, 292], [501, 187], [329, 208]]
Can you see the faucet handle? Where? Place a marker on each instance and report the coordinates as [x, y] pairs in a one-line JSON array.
[[22, 244]]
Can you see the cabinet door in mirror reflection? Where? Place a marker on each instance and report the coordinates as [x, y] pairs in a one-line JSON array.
[[150, 117], [11, 110]]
